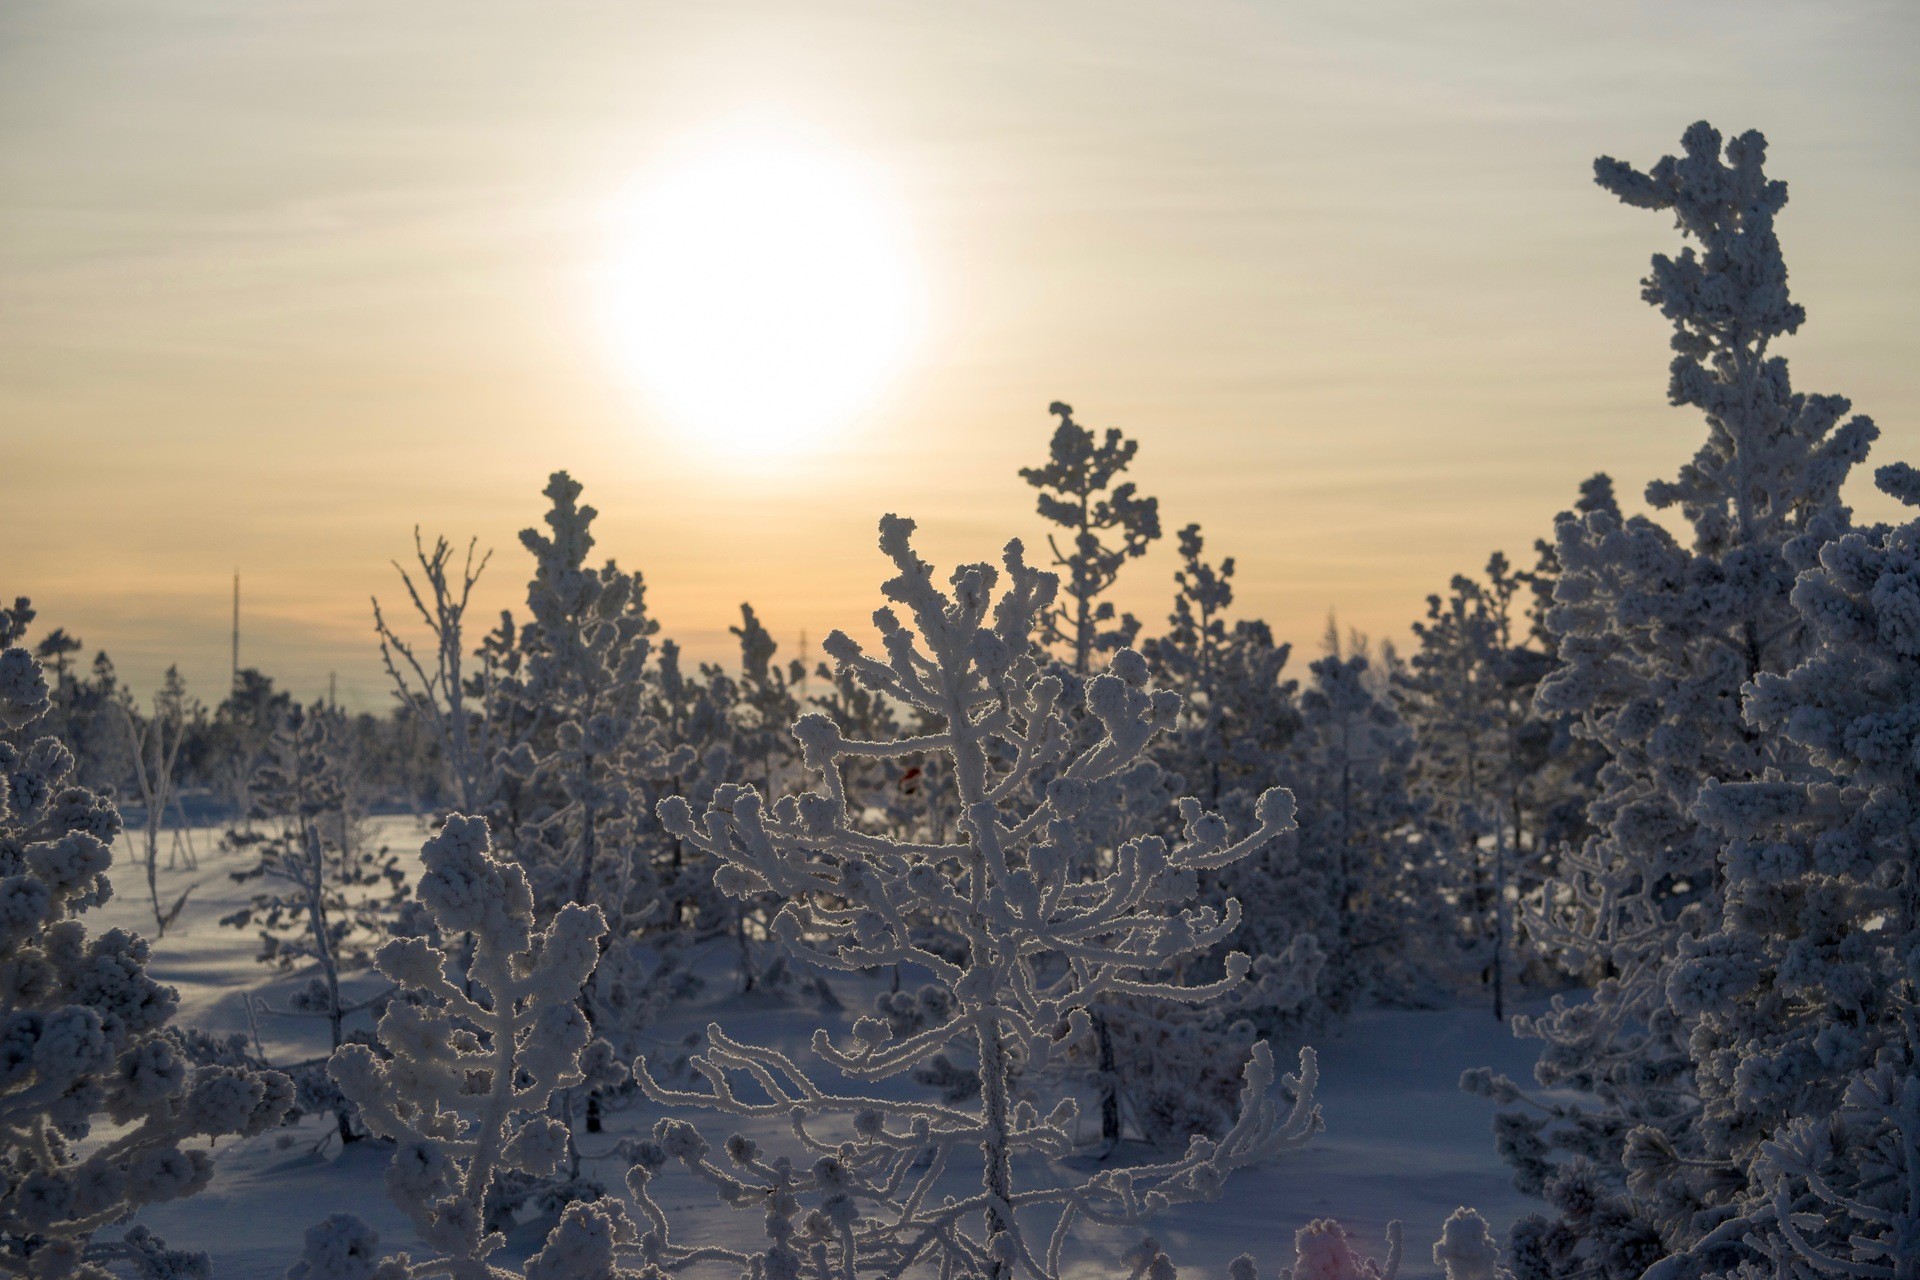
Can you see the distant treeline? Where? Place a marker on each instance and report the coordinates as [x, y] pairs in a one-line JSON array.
[[389, 759]]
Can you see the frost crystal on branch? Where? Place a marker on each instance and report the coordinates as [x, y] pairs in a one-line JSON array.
[[1041, 940]]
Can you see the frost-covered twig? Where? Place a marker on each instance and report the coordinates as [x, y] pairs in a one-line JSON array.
[[438, 695]]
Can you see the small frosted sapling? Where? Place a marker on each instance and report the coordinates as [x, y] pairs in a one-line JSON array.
[[467, 1068], [1041, 944]]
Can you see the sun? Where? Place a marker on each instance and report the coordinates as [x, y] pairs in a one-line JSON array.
[[759, 293]]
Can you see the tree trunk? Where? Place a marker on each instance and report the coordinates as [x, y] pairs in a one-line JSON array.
[[997, 1177], [1109, 1086], [1499, 925]]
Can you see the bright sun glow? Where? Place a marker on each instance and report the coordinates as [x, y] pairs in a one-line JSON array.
[[759, 294]]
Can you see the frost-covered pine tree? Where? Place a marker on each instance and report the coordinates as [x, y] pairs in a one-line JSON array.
[[470, 1060], [1105, 525], [754, 734], [1656, 639], [692, 713], [1466, 695], [581, 757], [326, 899], [582, 691], [97, 1100], [1463, 767], [85, 710], [1565, 777], [1229, 745], [1043, 943], [243, 722], [1238, 714], [714, 727], [765, 705], [1805, 1001], [1358, 884]]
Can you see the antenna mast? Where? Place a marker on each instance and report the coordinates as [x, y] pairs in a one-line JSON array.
[[236, 629]]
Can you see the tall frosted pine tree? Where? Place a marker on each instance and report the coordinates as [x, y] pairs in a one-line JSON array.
[[1106, 523], [1803, 1001], [1657, 636]]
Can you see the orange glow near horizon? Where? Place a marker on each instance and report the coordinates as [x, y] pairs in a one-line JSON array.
[[279, 286]]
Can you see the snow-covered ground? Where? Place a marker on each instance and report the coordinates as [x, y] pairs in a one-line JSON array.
[[1402, 1141]]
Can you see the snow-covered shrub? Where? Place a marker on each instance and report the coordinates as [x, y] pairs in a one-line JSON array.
[[1324, 1250], [1465, 1249], [84, 1042], [472, 1061], [1043, 942], [1656, 639]]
